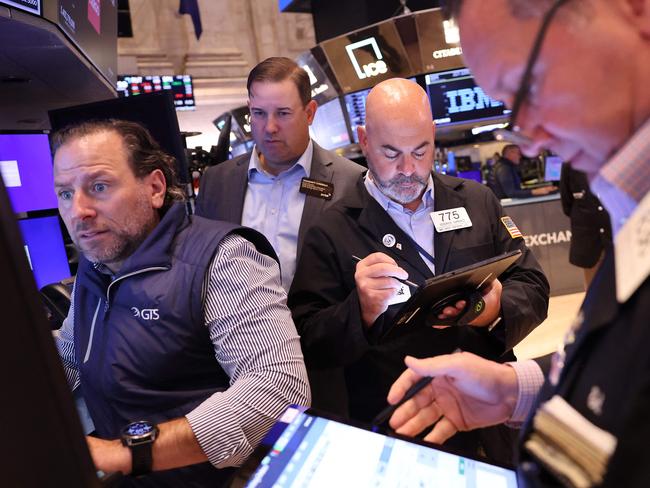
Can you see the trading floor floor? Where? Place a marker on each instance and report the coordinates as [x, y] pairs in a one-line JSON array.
[[545, 338]]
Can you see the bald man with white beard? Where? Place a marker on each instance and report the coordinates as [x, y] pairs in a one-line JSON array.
[[342, 307]]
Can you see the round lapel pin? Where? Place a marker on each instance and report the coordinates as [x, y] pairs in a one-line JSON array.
[[388, 240]]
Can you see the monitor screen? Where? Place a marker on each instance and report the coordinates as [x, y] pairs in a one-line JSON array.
[[456, 99], [329, 128], [312, 450], [322, 88], [155, 111], [438, 41], [355, 104], [366, 57], [180, 85], [33, 6], [45, 250], [26, 168], [92, 26], [552, 168]]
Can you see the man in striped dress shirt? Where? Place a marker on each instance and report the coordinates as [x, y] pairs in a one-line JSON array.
[[177, 323]]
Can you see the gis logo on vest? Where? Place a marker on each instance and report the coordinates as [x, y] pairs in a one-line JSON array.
[[145, 313], [371, 69]]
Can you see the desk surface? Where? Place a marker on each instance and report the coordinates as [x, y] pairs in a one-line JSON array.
[[509, 202]]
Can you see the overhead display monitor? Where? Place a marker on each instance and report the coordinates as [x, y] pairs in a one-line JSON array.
[[31, 6], [45, 249], [456, 99], [439, 42], [355, 104], [155, 111], [329, 128], [92, 26], [322, 88], [366, 57], [180, 86], [26, 168]]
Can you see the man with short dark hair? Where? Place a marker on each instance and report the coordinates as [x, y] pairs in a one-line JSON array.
[[265, 189], [576, 74], [177, 323], [283, 186]]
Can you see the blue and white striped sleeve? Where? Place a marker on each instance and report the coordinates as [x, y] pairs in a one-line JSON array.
[[530, 380], [64, 339], [256, 343]]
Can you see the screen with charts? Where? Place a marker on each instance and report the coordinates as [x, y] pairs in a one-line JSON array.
[[319, 452], [329, 128], [26, 168], [180, 85], [552, 168], [456, 99], [45, 250], [355, 104]]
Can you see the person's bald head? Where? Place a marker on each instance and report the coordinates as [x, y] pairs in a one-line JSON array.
[[404, 100], [397, 140]]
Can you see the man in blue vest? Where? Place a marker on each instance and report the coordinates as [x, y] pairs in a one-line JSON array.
[[178, 337]]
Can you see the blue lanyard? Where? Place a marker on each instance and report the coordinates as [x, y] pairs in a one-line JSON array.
[[421, 250]]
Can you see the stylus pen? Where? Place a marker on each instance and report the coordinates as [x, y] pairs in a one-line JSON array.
[[406, 282], [387, 412]]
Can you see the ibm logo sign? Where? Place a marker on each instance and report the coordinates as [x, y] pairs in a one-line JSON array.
[[371, 69], [467, 99]]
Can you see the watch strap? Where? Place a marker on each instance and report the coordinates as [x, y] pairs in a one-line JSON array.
[[141, 458]]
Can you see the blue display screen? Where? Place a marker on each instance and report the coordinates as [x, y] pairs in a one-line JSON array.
[[26, 168], [45, 249]]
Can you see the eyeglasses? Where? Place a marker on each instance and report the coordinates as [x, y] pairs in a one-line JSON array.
[[512, 134]]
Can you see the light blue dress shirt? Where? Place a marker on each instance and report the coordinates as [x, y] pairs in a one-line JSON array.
[[273, 206], [418, 224]]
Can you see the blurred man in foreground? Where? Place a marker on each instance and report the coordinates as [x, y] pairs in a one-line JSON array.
[[559, 64]]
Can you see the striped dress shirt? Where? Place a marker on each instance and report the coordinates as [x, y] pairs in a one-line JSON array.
[[255, 342]]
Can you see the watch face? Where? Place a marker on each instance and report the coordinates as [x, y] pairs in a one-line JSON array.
[[139, 428]]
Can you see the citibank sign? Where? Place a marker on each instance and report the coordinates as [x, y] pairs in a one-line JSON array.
[[368, 70]]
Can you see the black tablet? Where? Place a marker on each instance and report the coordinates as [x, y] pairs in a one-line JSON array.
[[306, 448], [428, 300]]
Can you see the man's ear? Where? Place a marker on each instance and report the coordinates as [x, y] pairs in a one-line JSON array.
[[362, 135], [156, 182], [310, 109]]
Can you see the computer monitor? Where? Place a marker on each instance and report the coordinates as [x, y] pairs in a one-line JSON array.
[[41, 429], [180, 85], [329, 128], [45, 249], [456, 99], [26, 168], [155, 111], [552, 168], [355, 104], [363, 58]]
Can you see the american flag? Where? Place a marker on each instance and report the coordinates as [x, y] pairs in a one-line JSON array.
[[512, 229]]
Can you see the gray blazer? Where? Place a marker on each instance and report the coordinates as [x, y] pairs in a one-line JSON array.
[[223, 187]]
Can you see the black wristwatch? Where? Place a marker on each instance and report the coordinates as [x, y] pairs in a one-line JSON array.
[[138, 437]]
